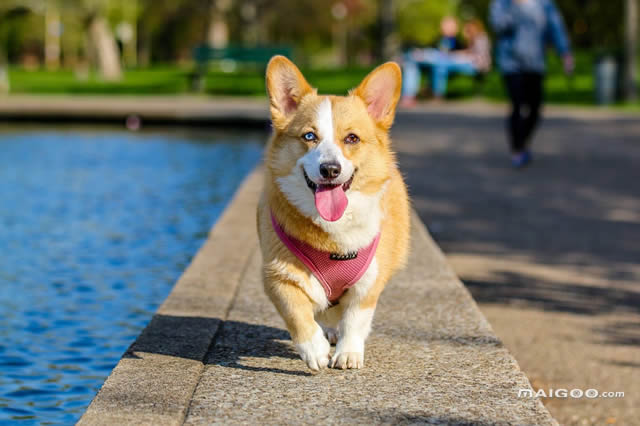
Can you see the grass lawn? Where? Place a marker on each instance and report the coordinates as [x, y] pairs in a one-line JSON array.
[[577, 89], [171, 80]]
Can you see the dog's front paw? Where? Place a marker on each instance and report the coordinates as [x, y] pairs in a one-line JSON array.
[[346, 360], [315, 352]]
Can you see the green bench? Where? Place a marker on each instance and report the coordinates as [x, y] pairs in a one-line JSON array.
[[257, 56]]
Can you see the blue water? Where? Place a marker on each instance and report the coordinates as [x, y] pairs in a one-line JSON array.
[[95, 228]]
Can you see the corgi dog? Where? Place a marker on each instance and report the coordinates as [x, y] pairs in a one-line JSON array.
[[333, 219]]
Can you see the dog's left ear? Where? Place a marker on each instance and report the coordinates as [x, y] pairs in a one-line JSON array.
[[380, 91]]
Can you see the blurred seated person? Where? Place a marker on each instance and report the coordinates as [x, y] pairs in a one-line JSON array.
[[449, 40], [474, 60]]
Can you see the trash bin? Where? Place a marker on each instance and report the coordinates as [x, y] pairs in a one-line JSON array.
[[606, 80]]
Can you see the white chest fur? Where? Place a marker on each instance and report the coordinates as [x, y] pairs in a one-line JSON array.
[[360, 222]]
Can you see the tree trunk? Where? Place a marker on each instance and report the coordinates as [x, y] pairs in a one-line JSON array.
[[4, 69], [631, 50], [52, 37], [105, 48], [130, 47], [387, 45], [4, 77], [218, 31], [144, 44]]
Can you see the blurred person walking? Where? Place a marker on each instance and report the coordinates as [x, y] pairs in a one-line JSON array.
[[524, 27]]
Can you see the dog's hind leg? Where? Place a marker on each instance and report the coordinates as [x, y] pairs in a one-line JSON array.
[[329, 320]]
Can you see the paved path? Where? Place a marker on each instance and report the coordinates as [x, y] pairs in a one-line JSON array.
[[550, 253], [216, 351]]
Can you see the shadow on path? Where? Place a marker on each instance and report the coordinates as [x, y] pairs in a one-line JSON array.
[[213, 341], [552, 295], [577, 205]]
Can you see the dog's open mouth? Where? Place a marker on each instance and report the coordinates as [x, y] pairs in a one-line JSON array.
[[314, 186], [331, 200]]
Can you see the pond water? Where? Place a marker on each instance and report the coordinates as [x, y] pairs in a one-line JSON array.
[[95, 228]]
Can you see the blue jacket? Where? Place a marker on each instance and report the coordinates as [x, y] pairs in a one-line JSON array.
[[524, 29]]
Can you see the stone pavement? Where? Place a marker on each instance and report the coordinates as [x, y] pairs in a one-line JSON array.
[[216, 351], [550, 253]]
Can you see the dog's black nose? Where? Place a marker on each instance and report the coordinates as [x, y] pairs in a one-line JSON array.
[[330, 170]]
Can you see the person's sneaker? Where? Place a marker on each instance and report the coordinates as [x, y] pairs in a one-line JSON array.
[[521, 159]]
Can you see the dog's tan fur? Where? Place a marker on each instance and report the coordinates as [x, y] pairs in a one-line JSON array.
[[368, 112]]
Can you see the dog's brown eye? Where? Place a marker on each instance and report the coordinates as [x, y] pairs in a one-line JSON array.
[[351, 138]]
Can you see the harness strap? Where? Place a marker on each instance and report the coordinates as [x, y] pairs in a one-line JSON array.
[[336, 272]]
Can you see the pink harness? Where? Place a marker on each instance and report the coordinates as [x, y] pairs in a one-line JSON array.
[[336, 272]]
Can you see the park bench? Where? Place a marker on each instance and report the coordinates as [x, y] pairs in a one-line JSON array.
[[257, 56]]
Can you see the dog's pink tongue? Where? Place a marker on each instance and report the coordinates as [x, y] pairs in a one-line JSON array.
[[331, 202]]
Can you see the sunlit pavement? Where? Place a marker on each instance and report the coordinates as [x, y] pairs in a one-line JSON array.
[[550, 252]]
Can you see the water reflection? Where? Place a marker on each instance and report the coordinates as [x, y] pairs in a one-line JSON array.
[[95, 227]]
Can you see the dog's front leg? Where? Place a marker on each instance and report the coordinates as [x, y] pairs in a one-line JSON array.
[[359, 304], [353, 330], [296, 309]]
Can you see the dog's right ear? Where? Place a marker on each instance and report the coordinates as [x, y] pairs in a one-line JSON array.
[[286, 87]]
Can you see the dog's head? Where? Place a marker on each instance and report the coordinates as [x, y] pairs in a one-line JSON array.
[[325, 149]]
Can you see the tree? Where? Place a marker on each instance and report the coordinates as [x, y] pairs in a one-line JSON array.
[[631, 50], [52, 32], [104, 45], [387, 44], [418, 21], [169, 29], [103, 48], [7, 10], [218, 29], [4, 73]]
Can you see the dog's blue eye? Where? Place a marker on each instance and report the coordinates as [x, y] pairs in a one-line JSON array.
[[310, 136]]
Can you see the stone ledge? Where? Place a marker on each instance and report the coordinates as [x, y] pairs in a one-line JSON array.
[[180, 110], [217, 352], [233, 111]]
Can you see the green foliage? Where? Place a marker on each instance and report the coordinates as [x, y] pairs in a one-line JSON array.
[[418, 21], [595, 24], [23, 36], [169, 29], [592, 24], [170, 80], [559, 88]]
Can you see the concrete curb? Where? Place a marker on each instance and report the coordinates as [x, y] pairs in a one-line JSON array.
[[216, 351], [181, 110], [231, 111], [155, 379]]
